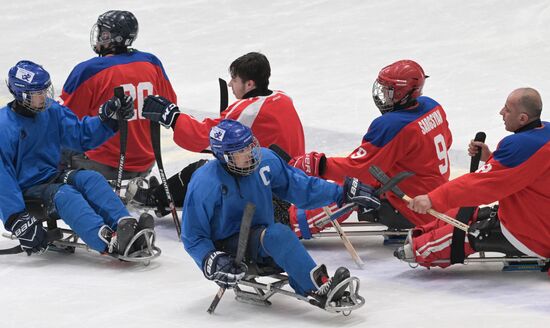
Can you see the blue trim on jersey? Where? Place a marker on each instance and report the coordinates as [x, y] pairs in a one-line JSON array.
[[384, 128], [518, 148], [86, 70]]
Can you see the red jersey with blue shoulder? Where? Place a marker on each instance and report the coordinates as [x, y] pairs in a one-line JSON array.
[[517, 175], [91, 83], [415, 140]]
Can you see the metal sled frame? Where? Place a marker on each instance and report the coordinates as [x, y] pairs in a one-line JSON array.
[[69, 241], [511, 263], [350, 228], [261, 292]]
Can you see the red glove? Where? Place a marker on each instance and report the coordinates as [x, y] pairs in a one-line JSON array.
[[313, 164]]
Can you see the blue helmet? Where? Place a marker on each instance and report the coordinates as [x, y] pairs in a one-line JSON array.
[[234, 145], [26, 79]]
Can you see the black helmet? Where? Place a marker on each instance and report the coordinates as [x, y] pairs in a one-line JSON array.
[[114, 32]]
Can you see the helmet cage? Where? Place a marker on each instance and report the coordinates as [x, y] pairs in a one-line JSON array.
[[39, 100], [245, 161]]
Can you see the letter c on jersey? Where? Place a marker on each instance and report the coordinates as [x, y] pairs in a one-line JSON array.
[[263, 170]]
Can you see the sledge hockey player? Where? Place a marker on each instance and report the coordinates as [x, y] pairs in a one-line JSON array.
[[33, 128], [244, 172], [269, 113], [516, 174], [412, 134], [91, 83]]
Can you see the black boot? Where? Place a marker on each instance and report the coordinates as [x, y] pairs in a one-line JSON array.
[[146, 221], [326, 286], [124, 233]]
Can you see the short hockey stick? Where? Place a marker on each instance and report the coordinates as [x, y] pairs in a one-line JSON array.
[[347, 243], [123, 129], [224, 96], [349, 246], [155, 141], [224, 102], [244, 233], [381, 176], [464, 213]]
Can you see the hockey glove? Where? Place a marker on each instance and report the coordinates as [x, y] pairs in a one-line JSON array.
[[113, 109], [360, 194], [220, 267], [313, 164], [29, 231], [161, 110]]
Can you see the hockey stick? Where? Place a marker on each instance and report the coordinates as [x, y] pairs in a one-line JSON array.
[[394, 181], [349, 246], [123, 128], [224, 96], [244, 233], [332, 216], [464, 213], [155, 141], [381, 176], [224, 102]]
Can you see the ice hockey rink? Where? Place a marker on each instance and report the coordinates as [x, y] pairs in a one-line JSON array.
[[325, 54]]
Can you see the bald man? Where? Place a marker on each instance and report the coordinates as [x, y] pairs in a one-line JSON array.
[[516, 174]]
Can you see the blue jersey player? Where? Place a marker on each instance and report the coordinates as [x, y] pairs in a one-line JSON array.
[[33, 128], [244, 172]]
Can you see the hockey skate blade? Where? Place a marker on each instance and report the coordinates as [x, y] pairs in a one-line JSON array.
[[145, 255], [350, 301]]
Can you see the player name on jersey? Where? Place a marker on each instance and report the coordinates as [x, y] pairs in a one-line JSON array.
[[430, 122]]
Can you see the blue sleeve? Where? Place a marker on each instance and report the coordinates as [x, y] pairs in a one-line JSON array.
[[196, 231], [82, 135], [293, 185], [11, 197]]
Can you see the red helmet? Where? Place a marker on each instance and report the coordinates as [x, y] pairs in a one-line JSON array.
[[398, 85]]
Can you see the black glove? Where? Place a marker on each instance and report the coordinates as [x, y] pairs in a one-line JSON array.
[[29, 231], [113, 109], [360, 194], [220, 267], [161, 110]]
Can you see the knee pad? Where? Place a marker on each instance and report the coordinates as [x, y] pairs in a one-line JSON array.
[[279, 237]]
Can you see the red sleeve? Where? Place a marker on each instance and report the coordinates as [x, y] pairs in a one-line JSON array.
[[492, 182], [191, 134], [273, 120]]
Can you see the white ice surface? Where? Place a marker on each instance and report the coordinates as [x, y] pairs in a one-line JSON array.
[[325, 54]]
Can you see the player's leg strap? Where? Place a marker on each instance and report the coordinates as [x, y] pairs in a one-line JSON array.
[[301, 217], [459, 236]]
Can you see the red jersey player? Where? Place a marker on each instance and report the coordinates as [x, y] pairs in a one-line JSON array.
[[517, 174], [91, 83], [269, 113], [412, 134]]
